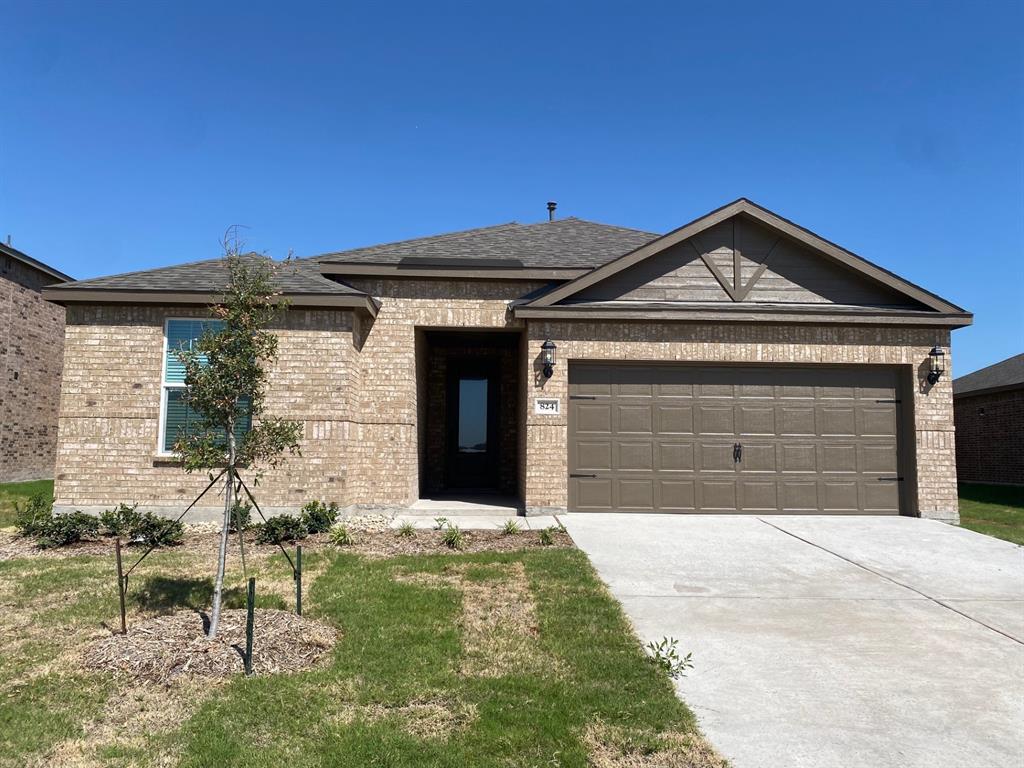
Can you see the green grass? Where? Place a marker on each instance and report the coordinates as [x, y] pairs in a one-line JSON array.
[[995, 510], [401, 643], [10, 493]]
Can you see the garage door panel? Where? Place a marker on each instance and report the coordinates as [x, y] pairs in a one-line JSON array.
[[594, 456], [594, 418], [674, 419], [663, 437], [636, 456], [675, 457], [636, 494]]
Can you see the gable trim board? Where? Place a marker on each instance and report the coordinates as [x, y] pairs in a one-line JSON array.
[[783, 226]]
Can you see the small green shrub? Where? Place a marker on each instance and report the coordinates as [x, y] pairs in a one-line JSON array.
[[664, 654], [406, 530], [122, 520], [453, 537], [32, 517], [440, 523], [340, 537], [509, 528], [68, 528], [156, 531], [319, 517], [281, 528], [547, 537], [241, 517]]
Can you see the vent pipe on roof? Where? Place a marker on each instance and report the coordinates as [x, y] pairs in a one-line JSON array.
[[551, 209]]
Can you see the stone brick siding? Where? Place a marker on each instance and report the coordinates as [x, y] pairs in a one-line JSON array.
[[111, 399], [546, 485], [359, 386], [990, 437], [31, 347]]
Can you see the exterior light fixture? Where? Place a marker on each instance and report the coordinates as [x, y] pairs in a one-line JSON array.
[[937, 364], [547, 357]]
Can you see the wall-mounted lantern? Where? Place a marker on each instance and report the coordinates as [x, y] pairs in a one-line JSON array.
[[937, 364], [547, 357]]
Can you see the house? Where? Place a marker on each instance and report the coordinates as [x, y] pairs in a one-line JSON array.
[[988, 409], [31, 347], [738, 364]]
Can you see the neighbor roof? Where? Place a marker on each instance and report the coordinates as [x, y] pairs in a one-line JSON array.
[[568, 243], [300, 281], [1005, 375], [24, 258]]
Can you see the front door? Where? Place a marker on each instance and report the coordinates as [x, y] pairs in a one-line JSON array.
[[472, 408]]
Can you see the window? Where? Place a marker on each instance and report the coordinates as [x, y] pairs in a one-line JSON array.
[[176, 417]]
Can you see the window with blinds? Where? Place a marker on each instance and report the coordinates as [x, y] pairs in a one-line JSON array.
[[178, 419]]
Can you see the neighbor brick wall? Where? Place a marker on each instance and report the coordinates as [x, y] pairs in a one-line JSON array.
[[110, 409], [990, 437], [31, 347], [546, 436]]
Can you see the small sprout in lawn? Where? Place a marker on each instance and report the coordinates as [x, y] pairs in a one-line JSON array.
[[406, 530], [440, 523], [453, 538], [666, 655], [340, 537], [510, 527], [547, 537]]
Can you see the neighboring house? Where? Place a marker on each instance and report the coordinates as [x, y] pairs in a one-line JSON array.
[[738, 364], [31, 344], [988, 406]]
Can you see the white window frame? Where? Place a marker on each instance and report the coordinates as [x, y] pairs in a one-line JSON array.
[[164, 386]]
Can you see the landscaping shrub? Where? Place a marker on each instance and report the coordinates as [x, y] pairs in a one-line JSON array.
[[509, 528], [68, 528], [453, 537], [155, 531], [340, 537], [241, 517], [319, 517], [32, 517], [547, 537], [406, 530], [281, 528], [122, 520]]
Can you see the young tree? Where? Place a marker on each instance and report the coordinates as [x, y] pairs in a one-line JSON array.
[[225, 382]]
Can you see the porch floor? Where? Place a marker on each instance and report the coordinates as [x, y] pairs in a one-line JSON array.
[[482, 512]]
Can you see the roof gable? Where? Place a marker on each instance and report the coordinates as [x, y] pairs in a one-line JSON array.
[[780, 257]]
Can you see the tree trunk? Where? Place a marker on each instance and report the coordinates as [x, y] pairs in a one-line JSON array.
[[222, 560]]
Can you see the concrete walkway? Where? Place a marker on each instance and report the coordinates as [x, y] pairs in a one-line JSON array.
[[830, 641]]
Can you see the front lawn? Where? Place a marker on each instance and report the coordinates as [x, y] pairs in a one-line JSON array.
[[10, 493], [995, 510], [490, 659]]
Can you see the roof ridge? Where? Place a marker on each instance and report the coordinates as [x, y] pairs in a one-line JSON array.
[[441, 236], [597, 224]]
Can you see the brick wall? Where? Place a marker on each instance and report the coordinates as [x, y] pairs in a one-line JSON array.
[[31, 347], [546, 482], [990, 437], [111, 399]]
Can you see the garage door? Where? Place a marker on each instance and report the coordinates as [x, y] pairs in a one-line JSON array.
[[684, 438]]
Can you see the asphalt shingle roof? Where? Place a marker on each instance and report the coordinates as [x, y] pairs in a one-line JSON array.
[[1008, 373], [294, 277], [568, 243]]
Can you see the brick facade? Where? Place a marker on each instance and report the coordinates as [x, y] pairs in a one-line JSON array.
[[359, 387], [31, 345], [990, 437]]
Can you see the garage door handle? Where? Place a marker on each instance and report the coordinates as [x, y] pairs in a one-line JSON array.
[[737, 452], [580, 474]]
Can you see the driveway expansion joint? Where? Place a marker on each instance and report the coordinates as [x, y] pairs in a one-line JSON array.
[[890, 579]]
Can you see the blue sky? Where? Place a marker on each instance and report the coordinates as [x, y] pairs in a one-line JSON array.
[[133, 134]]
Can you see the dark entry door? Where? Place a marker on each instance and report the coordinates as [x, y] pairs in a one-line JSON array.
[[472, 426]]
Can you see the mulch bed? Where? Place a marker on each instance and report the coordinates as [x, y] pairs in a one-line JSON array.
[[372, 542], [166, 649]]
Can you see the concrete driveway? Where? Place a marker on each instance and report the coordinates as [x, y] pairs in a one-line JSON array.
[[830, 641]]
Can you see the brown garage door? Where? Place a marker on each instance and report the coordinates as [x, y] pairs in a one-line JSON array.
[[686, 438]]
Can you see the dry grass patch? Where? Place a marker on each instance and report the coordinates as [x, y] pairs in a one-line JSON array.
[[498, 622], [166, 648], [614, 747], [425, 718]]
